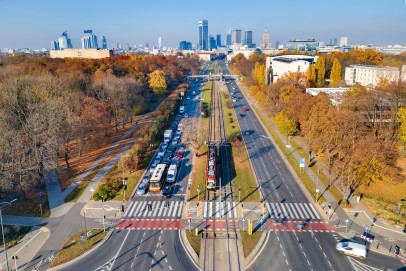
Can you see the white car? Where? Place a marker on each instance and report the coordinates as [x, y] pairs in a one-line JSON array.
[[188, 98], [352, 248]]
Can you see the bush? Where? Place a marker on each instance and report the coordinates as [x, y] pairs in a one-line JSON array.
[[108, 189], [229, 114], [230, 120]]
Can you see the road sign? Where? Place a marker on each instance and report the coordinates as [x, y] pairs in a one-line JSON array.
[[243, 219], [347, 220], [302, 162], [89, 234], [82, 236], [366, 238], [261, 219], [317, 190], [189, 217]]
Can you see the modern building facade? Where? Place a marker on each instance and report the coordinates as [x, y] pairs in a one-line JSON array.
[[277, 66], [81, 53], [248, 39], [218, 40], [228, 38], [159, 43], [104, 43], [369, 76], [64, 42], [236, 37], [309, 45], [343, 41], [212, 42], [185, 45], [204, 35], [265, 39], [89, 40]]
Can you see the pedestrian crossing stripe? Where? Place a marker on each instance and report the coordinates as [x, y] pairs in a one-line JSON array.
[[158, 209], [219, 209], [292, 211]]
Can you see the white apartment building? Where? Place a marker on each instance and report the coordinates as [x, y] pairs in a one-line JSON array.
[[369, 75], [278, 66], [335, 94]]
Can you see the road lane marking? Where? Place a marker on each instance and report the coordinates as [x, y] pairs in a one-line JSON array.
[[217, 209], [307, 208], [205, 209], [317, 215], [161, 208], [180, 210], [304, 211], [289, 211], [297, 208], [128, 209]]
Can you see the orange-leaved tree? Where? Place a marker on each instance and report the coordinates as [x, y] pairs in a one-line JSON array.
[[335, 76]]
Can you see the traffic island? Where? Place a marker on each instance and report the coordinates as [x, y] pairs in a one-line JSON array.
[[75, 247]]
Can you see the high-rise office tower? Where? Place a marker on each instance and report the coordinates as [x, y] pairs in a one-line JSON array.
[[54, 45], [335, 42], [248, 39], [343, 41], [64, 42], [89, 40], [147, 45], [204, 35], [218, 40], [236, 37], [228, 38], [159, 43], [212, 42], [104, 41], [277, 44], [265, 39]]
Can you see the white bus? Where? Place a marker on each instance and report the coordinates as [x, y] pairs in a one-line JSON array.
[[155, 184]]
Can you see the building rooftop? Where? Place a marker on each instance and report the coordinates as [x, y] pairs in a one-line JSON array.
[[290, 60], [374, 67]]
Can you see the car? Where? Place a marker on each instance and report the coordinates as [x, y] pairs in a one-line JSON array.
[[301, 225], [352, 249], [175, 161], [152, 168], [167, 191], [186, 116], [179, 154], [173, 127], [142, 188], [161, 152], [187, 98], [178, 117], [242, 115], [146, 177], [168, 154], [244, 109], [158, 159], [247, 132], [234, 100], [165, 145], [166, 161], [172, 147]]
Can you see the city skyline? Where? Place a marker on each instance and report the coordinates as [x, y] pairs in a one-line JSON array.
[[377, 23]]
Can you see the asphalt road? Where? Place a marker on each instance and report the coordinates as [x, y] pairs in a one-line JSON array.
[[148, 248]]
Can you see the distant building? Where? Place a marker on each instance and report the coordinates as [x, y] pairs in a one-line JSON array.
[[147, 45], [207, 56], [396, 50], [159, 43], [212, 42], [369, 75], [309, 45], [204, 35], [236, 37], [335, 94], [228, 38], [277, 44], [184, 45], [92, 53], [265, 39], [104, 43], [343, 41], [89, 40], [54, 45], [278, 66], [218, 40], [64, 42], [248, 39]]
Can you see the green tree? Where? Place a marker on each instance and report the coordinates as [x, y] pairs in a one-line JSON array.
[[157, 82], [320, 71], [335, 77], [285, 124], [402, 128], [311, 76]]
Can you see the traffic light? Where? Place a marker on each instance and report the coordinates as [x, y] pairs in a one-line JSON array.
[[397, 250]]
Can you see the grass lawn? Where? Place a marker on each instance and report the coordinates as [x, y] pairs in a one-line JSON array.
[[13, 235], [241, 171], [249, 241], [73, 246], [30, 205], [195, 240], [200, 163]]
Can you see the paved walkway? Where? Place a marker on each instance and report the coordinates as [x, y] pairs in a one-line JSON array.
[[386, 236]]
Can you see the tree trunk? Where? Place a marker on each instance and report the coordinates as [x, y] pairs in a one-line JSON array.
[[67, 158]]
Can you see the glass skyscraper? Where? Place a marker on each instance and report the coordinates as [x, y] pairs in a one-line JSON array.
[[64, 42], [218, 40], [204, 35], [89, 40], [212, 42], [228, 38], [104, 41], [236, 37], [248, 39]]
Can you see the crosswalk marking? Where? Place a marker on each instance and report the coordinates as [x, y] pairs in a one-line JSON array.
[[229, 209], [308, 210], [222, 209], [174, 209], [235, 210], [133, 208], [217, 209], [180, 209], [211, 207], [165, 210], [205, 209], [297, 208], [128, 208], [267, 206], [161, 209], [273, 214], [157, 207], [279, 210], [317, 215], [284, 211], [294, 210], [139, 208], [304, 211], [289, 211]]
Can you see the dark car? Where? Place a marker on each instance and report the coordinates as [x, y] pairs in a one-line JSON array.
[[168, 154], [166, 161], [242, 115], [175, 161], [172, 147], [173, 127], [167, 191], [247, 132]]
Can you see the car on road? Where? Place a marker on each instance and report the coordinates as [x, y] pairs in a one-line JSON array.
[[152, 167], [174, 142], [187, 98], [158, 159], [167, 191], [146, 177], [179, 154], [168, 154], [172, 147], [142, 188], [244, 109], [247, 132], [185, 103], [166, 161], [186, 116], [179, 117], [161, 152], [352, 249], [242, 115], [165, 145], [175, 161], [173, 127]]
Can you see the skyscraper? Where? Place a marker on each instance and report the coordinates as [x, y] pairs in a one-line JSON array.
[[265, 39], [54, 45], [343, 41], [104, 41], [218, 40], [159, 43], [204, 35], [236, 37], [212, 42], [64, 42], [248, 39], [228, 38], [89, 40]]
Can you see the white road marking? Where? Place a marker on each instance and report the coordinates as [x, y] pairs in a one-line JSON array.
[[128, 208]]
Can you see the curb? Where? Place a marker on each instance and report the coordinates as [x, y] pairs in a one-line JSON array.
[[261, 243], [188, 248], [64, 265]]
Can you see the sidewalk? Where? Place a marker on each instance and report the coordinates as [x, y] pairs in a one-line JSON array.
[[386, 235]]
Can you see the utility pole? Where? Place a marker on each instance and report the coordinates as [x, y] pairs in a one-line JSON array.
[[6, 205]]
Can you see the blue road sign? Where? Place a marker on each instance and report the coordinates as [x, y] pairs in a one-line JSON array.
[[302, 162], [261, 219], [82, 236], [243, 219], [347, 220]]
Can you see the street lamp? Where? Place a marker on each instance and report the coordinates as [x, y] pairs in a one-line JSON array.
[[4, 205], [400, 206], [318, 172], [84, 219]]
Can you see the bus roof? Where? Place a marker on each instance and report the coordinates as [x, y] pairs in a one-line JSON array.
[[158, 172]]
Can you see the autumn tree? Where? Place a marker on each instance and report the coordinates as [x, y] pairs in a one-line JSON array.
[[402, 122], [286, 125], [335, 76], [157, 82], [259, 74], [320, 71], [311, 76]]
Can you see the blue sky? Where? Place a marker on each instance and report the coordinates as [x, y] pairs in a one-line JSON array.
[[34, 24]]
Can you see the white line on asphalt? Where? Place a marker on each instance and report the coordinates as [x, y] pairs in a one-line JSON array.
[[307, 208], [297, 208], [280, 245], [161, 208], [304, 254], [128, 208], [146, 209], [175, 208], [289, 211], [156, 208], [118, 252], [287, 263], [130, 213], [166, 260], [180, 209], [291, 193], [308, 262], [139, 208], [311, 206], [217, 209], [229, 209], [235, 210], [304, 211], [205, 209]]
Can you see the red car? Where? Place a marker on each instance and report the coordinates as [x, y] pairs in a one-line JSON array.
[[244, 109], [179, 154]]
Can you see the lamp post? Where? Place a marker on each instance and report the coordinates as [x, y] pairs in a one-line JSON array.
[[84, 219], [239, 194], [318, 172], [4, 205], [400, 206]]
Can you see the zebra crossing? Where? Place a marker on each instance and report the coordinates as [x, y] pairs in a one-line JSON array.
[[292, 211], [217, 209], [154, 209]]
